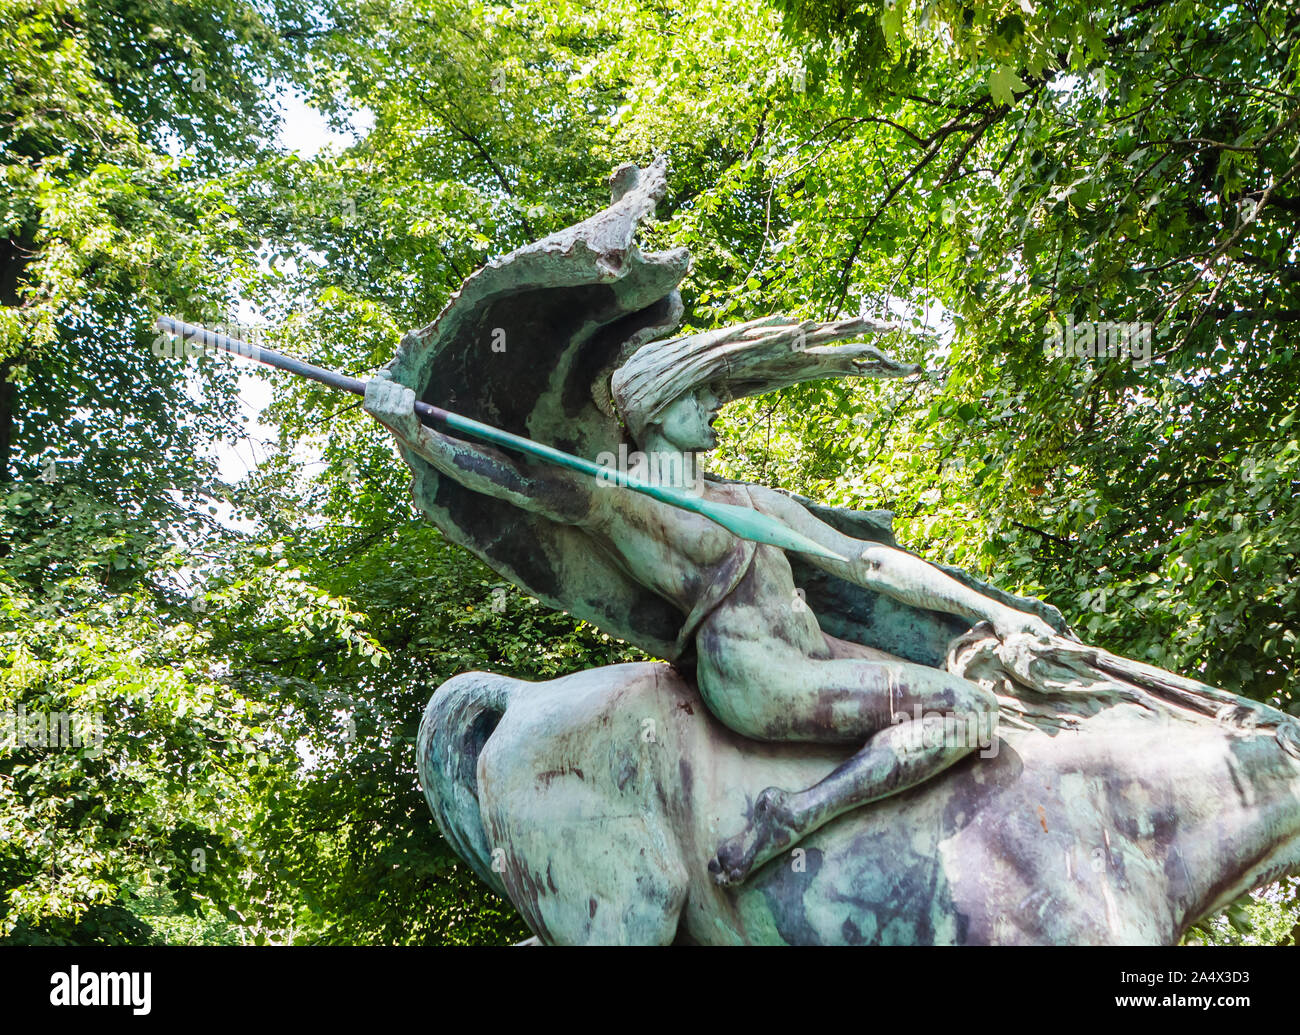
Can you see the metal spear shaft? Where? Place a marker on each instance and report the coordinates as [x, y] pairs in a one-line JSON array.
[[742, 521]]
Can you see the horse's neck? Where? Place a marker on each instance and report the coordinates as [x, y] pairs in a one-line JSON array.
[[1240, 824], [1219, 771]]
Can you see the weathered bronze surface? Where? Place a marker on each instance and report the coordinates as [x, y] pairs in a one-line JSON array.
[[851, 744]]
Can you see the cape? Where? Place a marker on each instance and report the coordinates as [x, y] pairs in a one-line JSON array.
[[528, 344]]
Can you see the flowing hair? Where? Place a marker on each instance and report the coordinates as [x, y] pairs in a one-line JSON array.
[[747, 359]]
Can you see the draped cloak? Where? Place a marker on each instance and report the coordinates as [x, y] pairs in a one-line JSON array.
[[528, 345]]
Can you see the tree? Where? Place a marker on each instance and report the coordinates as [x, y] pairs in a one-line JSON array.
[[1003, 177]]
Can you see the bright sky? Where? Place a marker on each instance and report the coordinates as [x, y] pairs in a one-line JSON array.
[[305, 131]]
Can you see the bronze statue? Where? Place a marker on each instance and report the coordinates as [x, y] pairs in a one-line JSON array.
[[844, 742]]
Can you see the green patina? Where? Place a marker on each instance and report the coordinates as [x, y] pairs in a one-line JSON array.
[[796, 722]]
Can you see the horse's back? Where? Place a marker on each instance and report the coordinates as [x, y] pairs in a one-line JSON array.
[[603, 795], [1035, 845]]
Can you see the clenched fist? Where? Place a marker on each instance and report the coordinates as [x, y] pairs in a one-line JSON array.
[[1012, 623], [393, 405]]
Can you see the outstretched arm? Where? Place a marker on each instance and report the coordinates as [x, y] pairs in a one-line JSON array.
[[896, 573], [550, 491]]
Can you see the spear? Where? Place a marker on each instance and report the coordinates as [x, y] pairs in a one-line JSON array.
[[742, 521]]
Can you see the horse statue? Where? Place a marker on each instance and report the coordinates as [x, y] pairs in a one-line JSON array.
[[1106, 814]]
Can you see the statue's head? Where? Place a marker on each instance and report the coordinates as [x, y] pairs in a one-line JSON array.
[[686, 423], [676, 388]]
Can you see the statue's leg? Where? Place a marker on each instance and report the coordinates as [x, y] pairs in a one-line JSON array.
[[919, 721]]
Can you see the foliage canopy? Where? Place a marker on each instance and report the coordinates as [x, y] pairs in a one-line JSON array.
[[260, 648]]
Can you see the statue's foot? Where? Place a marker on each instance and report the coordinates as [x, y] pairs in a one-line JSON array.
[[770, 830]]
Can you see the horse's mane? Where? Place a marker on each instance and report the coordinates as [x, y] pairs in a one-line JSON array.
[[1056, 685]]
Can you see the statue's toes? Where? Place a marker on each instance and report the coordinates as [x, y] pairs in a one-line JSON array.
[[725, 878], [768, 832], [735, 857]]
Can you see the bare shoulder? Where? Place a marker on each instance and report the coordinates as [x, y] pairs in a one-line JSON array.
[[771, 501]]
